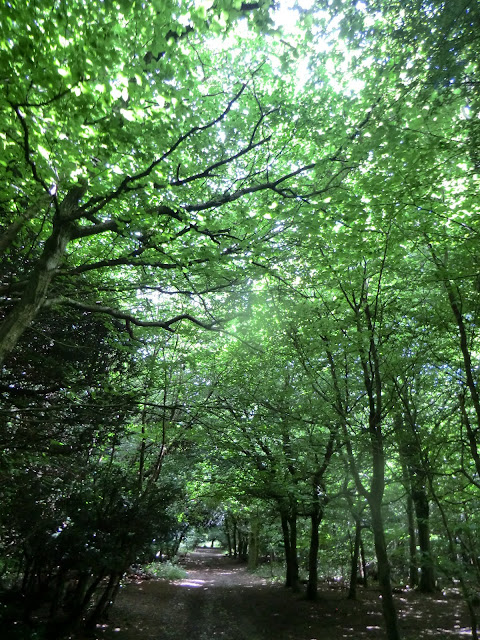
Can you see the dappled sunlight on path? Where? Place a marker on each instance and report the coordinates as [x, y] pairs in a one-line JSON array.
[[219, 599]]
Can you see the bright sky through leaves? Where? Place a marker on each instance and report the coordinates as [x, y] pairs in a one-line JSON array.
[[240, 275]]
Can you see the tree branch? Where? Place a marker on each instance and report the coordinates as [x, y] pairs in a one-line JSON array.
[[131, 319], [26, 148], [10, 232], [220, 163], [38, 105], [225, 198], [130, 261], [96, 204]]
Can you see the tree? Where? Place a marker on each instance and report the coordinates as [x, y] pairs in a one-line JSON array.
[[115, 165], [168, 167]]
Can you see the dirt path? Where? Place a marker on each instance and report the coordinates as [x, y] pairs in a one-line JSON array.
[[219, 599]]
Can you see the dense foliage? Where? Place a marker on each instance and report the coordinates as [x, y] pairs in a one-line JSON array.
[[240, 294]]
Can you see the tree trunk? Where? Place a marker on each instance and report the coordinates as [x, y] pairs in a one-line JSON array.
[[422, 511], [414, 480], [287, 549], [452, 553], [289, 529], [404, 449], [454, 296], [36, 290], [388, 605], [253, 543], [312, 586], [234, 537], [364, 564], [352, 590], [366, 324], [292, 520], [35, 294], [412, 544], [242, 546], [229, 537], [107, 597]]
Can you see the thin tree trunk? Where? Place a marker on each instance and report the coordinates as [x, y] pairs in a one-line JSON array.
[[388, 605], [451, 548], [352, 590], [422, 511], [253, 544], [407, 483], [412, 543], [367, 330], [415, 482], [235, 538], [105, 600], [287, 549], [292, 520], [289, 530], [364, 564], [229, 537], [312, 585], [454, 299]]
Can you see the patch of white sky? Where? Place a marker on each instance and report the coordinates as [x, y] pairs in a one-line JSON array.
[[287, 17]]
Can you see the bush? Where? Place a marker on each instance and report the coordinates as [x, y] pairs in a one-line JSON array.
[[165, 570], [274, 571]]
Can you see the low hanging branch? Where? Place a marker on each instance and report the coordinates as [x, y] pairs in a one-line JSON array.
[[142, 247], [131, 319]]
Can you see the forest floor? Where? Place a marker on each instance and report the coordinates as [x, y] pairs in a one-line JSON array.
[[219, 599]]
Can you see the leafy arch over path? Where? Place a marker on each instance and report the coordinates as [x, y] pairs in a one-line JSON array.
[[164, 168], [158, 191]]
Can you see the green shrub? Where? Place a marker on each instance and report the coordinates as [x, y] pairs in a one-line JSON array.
[[165, 570], [274, 571]]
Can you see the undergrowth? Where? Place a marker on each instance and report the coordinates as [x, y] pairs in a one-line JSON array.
[[274, 571], [165, 570]]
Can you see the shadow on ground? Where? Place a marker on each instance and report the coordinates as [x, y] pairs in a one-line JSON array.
[[220, 599]]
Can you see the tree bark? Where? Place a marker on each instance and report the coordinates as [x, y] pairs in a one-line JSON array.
[[415, 481], [367, 327], [388, 605], [454, 299], [228, 536], [412, 543], [35, 294], [405, 449], [422, 511], [373, 387], [107, 597], [36, 290], [9, 233], [312, 585], [234, 538], [253, 543], [352, 589], [364, 564], [289, 529]]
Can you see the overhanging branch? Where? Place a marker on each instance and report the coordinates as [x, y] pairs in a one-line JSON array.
[[226, 198], [98, 203], [133, 320]]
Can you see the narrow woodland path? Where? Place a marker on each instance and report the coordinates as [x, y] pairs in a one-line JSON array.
[[220, 599]]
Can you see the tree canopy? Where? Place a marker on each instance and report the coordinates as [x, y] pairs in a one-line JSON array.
[[240, 272]]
